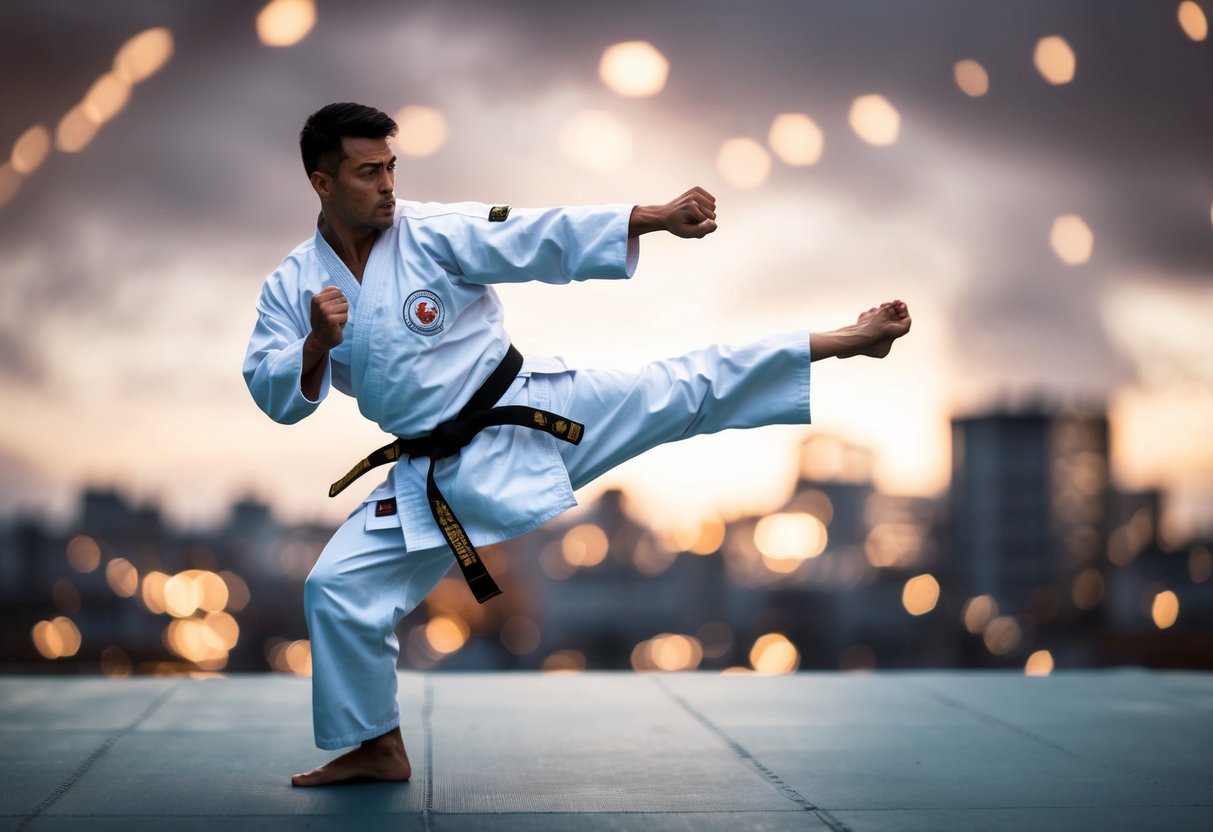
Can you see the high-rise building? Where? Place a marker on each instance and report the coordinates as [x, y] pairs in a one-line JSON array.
[[1029, 500]]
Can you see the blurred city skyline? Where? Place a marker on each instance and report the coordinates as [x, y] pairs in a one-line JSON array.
[[1035, 179], [1032, 561]]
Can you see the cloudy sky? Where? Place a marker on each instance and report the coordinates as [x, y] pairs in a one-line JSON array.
[[131, 266]]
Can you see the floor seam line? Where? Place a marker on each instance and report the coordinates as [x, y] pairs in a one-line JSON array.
[[427, 728], [82, 769], [745, 756]]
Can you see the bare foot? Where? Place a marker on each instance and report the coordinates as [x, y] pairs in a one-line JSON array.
[[381, 758], [878, 328]]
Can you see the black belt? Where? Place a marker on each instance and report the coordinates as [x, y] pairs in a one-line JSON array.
[[448, 439]]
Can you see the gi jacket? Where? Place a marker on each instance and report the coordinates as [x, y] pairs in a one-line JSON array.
[[424, 332]]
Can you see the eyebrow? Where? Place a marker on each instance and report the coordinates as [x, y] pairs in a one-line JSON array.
[[367, 165]]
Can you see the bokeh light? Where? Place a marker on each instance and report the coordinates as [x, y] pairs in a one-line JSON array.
[[977, 613], [10, 182], [237, 591], [193, 640], [920, 594], [875, 120], [564, 661], [144, 55], [744, 163], [1200, 565], [667, 651], [446, 633], [83, 553], [75, 131], [105, 98], [971, 77], [893, 545], [1193, 21], [1165, 609], [212, 591], [1002, 635], [634, 68], [152, 591], [596, 140], [225, 627], [585, 545], [182, 595], [1088, 589], [1071, 239], [774, 654], [796, 139], [1055, 60], [791, 537], [122, 577], [1039, 663], [298, 656], [422, 131], [285, 22], [56, 639], [31, 149]]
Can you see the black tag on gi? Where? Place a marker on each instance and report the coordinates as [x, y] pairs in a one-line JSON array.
[[385, 508], [499, 213]]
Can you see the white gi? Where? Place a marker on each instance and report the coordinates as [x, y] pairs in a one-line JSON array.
[[425, 330]]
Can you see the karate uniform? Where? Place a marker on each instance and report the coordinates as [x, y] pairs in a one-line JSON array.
[[425, 330]]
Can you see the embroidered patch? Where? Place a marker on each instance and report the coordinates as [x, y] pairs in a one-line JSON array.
[[385, 508], [499, 213], [424, 312]]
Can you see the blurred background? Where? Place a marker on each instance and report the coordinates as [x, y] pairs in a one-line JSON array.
[[1027, 482]]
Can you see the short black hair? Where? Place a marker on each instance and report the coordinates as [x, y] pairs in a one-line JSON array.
[[320, 139]]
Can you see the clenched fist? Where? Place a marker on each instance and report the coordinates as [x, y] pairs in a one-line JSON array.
[[330, 311], [691, 215]]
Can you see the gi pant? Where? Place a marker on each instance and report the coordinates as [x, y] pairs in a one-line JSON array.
[[365, 581]]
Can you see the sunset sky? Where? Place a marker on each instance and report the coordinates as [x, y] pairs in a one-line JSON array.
[[131, 264]]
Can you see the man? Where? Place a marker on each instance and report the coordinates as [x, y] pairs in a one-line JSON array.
[[390, 302]]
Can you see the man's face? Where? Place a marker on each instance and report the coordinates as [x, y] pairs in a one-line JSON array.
[[362, 193]]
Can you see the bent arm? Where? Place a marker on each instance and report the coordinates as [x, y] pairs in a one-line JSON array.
[[287, 376]]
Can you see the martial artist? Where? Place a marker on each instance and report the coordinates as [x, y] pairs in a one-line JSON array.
[[390, 301]]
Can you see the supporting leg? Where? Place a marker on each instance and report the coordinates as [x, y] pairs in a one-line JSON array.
[[362, 585]]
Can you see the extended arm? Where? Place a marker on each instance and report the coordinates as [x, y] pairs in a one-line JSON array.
[[691, 215]]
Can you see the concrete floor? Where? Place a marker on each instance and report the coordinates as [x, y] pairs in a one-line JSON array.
[[1100, 750]]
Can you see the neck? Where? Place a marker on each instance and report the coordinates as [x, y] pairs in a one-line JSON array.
[[352, 245]]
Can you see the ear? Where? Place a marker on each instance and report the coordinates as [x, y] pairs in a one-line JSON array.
[[322, 184]]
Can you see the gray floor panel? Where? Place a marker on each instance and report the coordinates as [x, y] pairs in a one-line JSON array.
[[81, 704], [808, 699], [228, 772], [1145, 819], [597, 752], [642, 780], [210, 823], [920, 767], [269, 702], [632, 822], [622, 751]]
